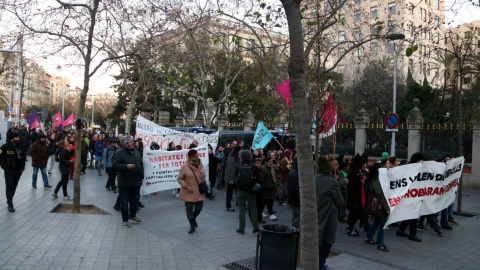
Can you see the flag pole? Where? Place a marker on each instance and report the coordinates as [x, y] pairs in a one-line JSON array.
[[278, 142], [334, 146], [284, 125]]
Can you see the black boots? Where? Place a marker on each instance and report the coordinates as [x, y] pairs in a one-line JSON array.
[[192, 225]]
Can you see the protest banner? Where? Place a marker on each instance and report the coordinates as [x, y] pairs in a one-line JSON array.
[[161, 168], [419, 189], [151, 132], [262, 137]]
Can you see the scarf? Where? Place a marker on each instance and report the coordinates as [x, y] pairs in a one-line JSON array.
[[273, 172], [194, 164]]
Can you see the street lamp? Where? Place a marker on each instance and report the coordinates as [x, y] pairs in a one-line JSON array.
[[394, 37], [18, 77], [63, 100]]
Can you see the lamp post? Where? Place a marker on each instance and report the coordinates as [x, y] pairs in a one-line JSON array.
[[18, 78], [394, 37], [63, 100]]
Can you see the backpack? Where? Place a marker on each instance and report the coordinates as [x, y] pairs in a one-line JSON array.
[[245, 180], [57, 158]]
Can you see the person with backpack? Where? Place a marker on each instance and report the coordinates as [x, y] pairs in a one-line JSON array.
[[245, 183], [108, 164]]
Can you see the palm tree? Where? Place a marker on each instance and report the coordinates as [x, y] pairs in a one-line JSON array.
[[447, 64]]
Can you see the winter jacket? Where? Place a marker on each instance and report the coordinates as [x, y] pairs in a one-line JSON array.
[[84, 151], [293, 189], [128, 177], [24, 138], [284, 170], [377, 187], [64, 160], [212, 167], [52, 147], [189, 188], [99, 146], [107, 156], [329, 200], [11, 157], [354, 185], [231, 170], [39, 154], [269, 189]]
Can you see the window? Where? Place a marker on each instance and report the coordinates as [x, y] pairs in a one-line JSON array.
[[436, 37], [327, 7], [358, 16], [437, 4], [342, 17], [393, 27], [341, 69], [373, 48], [356, 68], [357, 34], [374, 30], [392, 8], [391, 46], [410, 65], [373, 12], [437, 21], [357, 2], [467, 80], [429, 17], [357, 52], [341, 52], [314, 12], [420, 11], [410, 27], [327, 39], [341, 36], [467, 34], [424, 15], [428, 35]]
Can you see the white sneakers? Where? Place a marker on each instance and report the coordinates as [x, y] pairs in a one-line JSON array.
[[273, 217], [263, 215]]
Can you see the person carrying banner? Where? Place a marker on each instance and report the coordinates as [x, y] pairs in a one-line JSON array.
[[191, 175], [379, 221], [13, 165], [447, 214], [329, 200], [245, 183], [128, 164], [415, 158]]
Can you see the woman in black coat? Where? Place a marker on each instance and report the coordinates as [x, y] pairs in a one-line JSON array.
[[64, 164]]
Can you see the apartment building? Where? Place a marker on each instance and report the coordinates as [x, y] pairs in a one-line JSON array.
[[465, 39], [59, 83], [421, 21]]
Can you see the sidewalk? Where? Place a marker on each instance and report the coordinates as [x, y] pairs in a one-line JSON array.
[[34, 238]]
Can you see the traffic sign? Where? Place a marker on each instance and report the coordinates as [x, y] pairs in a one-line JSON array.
[[16, 102], [9, 109], [392, 120], [391, 129]]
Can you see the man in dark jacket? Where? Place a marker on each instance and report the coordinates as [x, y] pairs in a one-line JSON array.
[[356, 193], [39, 154], [129, 166], [13, 165], [24, 141], [293, 194]]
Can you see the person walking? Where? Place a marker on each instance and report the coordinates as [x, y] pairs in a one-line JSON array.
[[284, 167], [64, 164], [128, 164], [52, 148], [13, 165], [24, 141], [192, 173], [84, 157], [231, 175], [99, 147], [329, 200], [245, 183], [269, 189], [293, 194], [356, 193], [108, 164], [39, 154]]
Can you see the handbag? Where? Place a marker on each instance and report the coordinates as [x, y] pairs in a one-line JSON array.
[[373, 207], [202, 187]]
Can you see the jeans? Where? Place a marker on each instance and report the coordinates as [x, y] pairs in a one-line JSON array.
[[99, 166], [44, 176], [193, 209], [11, 183], [379, 222], [243, 198], [128, 195], [63, 184], [111, 178]]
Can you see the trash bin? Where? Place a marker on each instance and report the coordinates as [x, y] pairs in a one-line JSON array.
[[277, 247]]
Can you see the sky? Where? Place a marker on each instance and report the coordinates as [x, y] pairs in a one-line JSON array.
[[462, 11]]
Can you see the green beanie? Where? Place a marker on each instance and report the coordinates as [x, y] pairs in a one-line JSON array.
[[385, 155], [323, 166]]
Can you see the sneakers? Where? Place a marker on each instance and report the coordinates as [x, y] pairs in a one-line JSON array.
[[54, 195], [273, 217], [353, 233], [370, 241], [33, 186], [242, 232], [438, 233], [230, 210], [135, 219], [11, 208], [47, 186], [67, 198], [383, 248], [263, 215], [100, 174], [117, 208], [140, 204], [114, 190], [414, 238], [125, 223], [421, 228], [108, 189], [400, 233], [452, 220]]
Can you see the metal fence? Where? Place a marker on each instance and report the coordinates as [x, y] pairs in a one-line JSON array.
[[345, 140], [440, 139]]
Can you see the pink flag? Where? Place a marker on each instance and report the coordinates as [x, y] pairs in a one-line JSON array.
[[36, 124], [57, 120], [329, 116], [69, 121], [284, 90]]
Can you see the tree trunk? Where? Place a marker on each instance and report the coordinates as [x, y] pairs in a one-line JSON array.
[[131, 106], [296, 71]]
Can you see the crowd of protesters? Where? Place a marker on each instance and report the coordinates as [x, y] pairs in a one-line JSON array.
[[257, 178]]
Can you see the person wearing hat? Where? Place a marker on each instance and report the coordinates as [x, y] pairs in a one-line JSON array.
[[39, 154], [192, 173], [329, 200], [13, 165], [108, 164]]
